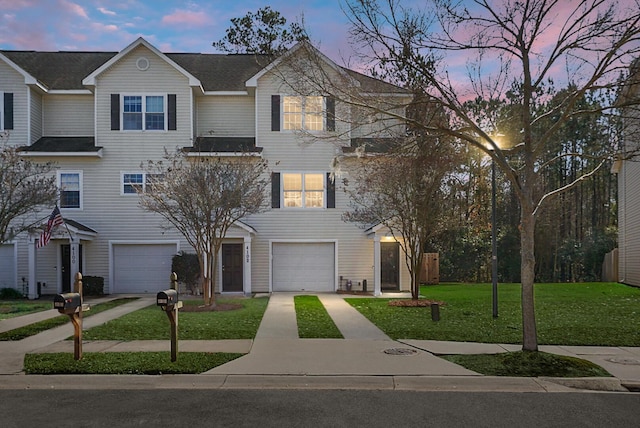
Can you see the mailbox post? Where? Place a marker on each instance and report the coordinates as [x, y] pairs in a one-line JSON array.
[[71, 304], [168, 302]]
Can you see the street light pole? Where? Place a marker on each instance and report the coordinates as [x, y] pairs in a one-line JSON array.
[[494, 245]]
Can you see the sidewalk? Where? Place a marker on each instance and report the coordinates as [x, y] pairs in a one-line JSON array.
[[277, 358]]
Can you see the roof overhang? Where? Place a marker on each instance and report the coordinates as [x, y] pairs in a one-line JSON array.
[[72, 229], [28, 78]]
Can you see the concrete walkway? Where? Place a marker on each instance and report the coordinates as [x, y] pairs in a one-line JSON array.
[[277, 358]]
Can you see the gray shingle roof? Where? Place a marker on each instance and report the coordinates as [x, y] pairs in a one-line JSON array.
[[63, 144], [216, 72]]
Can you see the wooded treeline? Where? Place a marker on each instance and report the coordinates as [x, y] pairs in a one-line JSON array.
[[576, 228]]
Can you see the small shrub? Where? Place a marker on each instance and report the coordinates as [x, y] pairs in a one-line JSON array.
[[187, 267], [92, 285], [10, 294]]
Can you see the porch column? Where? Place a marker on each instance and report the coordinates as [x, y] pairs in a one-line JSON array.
[[74, 257], [376, 266], [33, 288], [246, 266]]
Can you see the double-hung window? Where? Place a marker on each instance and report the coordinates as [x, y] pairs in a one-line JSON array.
[[134, 182], [303, 113], [143, 112], [70, 185], [302, 190]]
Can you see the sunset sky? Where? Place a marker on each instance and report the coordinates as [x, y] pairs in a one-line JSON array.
[[172, 26]]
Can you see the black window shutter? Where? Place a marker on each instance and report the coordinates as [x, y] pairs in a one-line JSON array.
[[331, 113], [115, 112], [331, 192], [275, 112], [8, 110], [275, 190], [171, 112]]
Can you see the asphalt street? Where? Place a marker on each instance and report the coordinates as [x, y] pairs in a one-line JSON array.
[[304, 408]]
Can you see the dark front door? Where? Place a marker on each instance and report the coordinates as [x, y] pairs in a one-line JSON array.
[[232, 267], [67, 275], [390, 265]]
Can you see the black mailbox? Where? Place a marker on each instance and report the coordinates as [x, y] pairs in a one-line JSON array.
[[67, 303], [167, 298]]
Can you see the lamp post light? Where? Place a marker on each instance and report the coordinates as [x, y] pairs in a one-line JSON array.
[[494, 243]]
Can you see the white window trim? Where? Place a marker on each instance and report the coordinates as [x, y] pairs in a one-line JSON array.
[[81, 185], [144, 96], [323, 113], [144, 182], [303, 173]]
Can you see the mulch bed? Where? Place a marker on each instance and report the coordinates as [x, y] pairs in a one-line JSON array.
[[411, 303], [219, 307]]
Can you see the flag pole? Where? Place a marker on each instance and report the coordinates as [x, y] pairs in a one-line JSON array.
[[65, 225]]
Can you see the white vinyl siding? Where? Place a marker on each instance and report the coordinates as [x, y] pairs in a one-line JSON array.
[[68, 115], [11, 81], [225, 116], [8, 275]]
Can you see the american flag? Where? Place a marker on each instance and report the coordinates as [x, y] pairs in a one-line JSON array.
[[55, 220]]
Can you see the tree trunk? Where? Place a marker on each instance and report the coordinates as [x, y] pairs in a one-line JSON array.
[[527, 271]]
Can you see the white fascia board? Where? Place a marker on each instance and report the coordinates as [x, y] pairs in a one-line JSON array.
[[226, 93], [28, 78], [253, 81], [70, 92], [90, 80]]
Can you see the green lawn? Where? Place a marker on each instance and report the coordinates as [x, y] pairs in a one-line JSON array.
[[605, 314], [38, 327], [149, 363], [152, 323], [313, 320], [16, 308]]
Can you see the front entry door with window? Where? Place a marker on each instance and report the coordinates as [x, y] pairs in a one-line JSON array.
[[232, 267], [67, 275], [390, 265]]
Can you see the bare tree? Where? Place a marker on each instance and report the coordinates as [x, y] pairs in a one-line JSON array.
[[405, 193], [202, 197], [511, 47], [25, 187]]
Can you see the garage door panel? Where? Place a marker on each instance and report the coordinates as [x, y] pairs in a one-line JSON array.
[[142, 268], [7, 266], [303, 266]]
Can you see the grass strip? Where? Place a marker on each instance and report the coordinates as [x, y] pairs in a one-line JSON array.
[[594, 314], [147, 363], [16, 308], [528, 364], [151, 323], [39, 327], [313, 320]]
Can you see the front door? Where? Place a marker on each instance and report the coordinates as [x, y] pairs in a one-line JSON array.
[[390, 266], [67, 275], [232, 267]]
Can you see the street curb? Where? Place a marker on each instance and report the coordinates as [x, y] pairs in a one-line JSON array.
[[590, 383]]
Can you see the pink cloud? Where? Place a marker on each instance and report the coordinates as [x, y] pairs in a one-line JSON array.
[[15, 4], [74, 8], [106, 11], [186, 17]]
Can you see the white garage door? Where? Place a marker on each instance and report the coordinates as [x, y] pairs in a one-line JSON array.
[[303, 266], [142, 268], [7, 266]]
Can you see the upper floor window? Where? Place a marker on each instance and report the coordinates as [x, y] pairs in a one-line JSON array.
[[143, 112], [135, 182], [70, 185], [303, 190], [6, 110], [303, 113]]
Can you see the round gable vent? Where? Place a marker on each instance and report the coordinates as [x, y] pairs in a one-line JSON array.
[[142, 63]]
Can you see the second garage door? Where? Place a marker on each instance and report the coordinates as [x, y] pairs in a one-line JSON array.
[[303, 266], [142, 268]]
